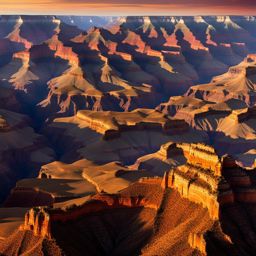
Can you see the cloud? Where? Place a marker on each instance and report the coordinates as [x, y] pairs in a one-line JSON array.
[[182, 3], [129, 7]]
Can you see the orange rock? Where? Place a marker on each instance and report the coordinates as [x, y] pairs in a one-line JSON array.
[[197, 241], [38, 221]]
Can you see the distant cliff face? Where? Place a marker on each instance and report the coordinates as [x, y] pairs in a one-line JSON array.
[[116, 63], [225, 109]]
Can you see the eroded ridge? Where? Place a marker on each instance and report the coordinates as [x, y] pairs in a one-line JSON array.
[[208, 179], [40, 220], [111, 124], [217, 184]]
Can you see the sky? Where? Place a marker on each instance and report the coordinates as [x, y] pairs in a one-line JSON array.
[[129, 7]]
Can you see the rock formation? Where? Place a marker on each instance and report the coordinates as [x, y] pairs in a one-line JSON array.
[[198, 179], [179, 52], [38, 221], [208, 179], [126, 135], [110, 124], [97, 166], [225, 109]]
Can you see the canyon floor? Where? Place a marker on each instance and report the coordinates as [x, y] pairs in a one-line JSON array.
[[133, 137]]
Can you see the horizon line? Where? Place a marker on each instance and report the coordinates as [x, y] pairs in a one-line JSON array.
[[130, 15]]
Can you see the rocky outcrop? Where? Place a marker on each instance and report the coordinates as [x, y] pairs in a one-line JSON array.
[[197, 155], [24, 75], [134, 39], [194, 189], [208, 179], [202, 156], [40, 219], [237, 83], [243, 115], [15, 36], [37, 220], [197, 241], [189, 36], [111, 124], [61, 51], [197, 180]]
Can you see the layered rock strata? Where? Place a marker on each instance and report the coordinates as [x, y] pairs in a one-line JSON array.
[[135, 66], [40, 220], [208, 179], [111, 124]]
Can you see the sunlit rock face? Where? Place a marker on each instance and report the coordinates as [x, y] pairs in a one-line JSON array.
[[116, 63], [207, 186], [127, 135], [224, 108]]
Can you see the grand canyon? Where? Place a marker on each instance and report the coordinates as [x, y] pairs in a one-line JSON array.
[[132, 135]]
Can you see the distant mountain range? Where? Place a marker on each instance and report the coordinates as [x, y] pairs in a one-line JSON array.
[[86, 22]]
